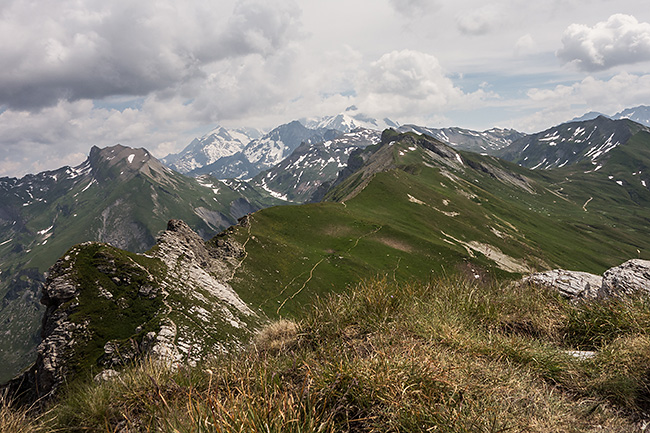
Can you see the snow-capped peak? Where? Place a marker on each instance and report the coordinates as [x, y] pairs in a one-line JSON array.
[[348, 121]]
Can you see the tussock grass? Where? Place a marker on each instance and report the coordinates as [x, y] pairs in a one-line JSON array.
[[15, 419], [277, 336], [595, 324], [447, 356]]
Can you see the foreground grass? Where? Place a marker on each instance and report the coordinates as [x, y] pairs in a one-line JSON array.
[[446, 356]]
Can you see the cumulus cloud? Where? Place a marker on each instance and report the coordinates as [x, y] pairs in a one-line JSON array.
[[620, 40], [71, 50], [621, 90], [410, 84]]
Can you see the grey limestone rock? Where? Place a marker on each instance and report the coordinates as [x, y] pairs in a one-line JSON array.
[[162, 346], [630, 277], [571, 284]]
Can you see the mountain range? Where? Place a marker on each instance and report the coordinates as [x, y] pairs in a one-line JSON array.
[[571, 143], [226, 154], [218, 143], [485, 142], [402, 204]]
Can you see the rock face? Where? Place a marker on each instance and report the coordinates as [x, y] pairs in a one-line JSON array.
[[60, 334], [631, 277], [570, 284]]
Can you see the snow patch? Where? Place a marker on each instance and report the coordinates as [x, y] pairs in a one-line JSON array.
[[273, 193], [130, 158], [539, 165], [42, 232], [89, 185], [549, 137]]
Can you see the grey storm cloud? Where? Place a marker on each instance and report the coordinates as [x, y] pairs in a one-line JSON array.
[[72, 50], [621, 40]]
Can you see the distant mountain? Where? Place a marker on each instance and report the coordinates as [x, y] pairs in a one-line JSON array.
[[243, 153], [486, 142], [348, 121], [264, 152], [640, 114], [119, 196], [312, 167], [218, 143], [588, 116], [571, 143]]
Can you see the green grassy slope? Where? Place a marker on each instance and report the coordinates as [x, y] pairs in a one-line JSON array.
[[426, 212]]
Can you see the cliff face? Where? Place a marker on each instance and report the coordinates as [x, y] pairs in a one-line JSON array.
[[107, 307]]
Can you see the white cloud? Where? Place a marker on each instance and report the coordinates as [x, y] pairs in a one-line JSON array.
[[63, 134], [563, 102], [410, 85], [525, 45], [620, 40]]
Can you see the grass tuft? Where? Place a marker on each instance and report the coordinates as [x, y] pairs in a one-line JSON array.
[[277, 337], [16, 419]]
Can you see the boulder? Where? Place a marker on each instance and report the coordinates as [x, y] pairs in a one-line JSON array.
[[630, 277], [571, 284]]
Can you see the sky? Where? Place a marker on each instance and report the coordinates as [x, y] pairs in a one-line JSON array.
[[156, 74]]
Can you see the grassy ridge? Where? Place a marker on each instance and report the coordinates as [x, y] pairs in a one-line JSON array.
[[444, 356]]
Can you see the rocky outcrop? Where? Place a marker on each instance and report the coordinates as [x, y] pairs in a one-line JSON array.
[[172, 304], [199, 275], [630, 277], [206, 266], [570, 284]]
